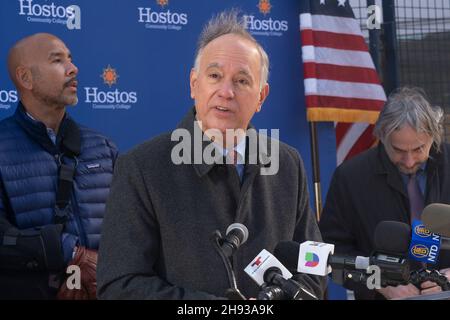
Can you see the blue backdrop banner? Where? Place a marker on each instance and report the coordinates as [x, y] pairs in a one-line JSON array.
[[134, 58]]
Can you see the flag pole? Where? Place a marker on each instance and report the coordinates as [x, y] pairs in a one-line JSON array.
[[316, 169]]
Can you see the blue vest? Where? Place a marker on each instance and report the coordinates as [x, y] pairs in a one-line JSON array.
[[29, 174]]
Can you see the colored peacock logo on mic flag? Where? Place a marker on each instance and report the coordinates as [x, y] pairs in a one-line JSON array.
[[312, 259]]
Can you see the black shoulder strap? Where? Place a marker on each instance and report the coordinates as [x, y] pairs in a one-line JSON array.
[[71, 139], [71, 148]]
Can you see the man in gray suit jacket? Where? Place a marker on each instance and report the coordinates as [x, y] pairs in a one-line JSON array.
[[167, 201]]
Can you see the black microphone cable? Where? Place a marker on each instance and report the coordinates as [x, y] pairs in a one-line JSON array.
[[233, 292]]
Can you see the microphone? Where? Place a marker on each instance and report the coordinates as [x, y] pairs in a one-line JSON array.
[[430, 235], [287, 252], [436, 218], [425, 246], [262, 262], [268, 272], [391, 243], [236, 235], [391, 247], [392, 237], [292, 289], [318, 258], [268, 292]]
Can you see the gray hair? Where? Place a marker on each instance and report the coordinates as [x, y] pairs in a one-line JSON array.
[[228, 22], [408, 106]]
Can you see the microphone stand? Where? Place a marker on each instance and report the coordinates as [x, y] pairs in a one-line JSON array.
[[233, 292]]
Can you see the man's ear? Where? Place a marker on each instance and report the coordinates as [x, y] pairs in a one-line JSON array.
[[262, 96], [24, 77], [193, 82]]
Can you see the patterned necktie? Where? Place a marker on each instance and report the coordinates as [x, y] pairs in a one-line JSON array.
[[416, 202]]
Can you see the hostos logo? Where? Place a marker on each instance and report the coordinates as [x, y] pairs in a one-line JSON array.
[[162, 3], [264, 6], [109, 76]]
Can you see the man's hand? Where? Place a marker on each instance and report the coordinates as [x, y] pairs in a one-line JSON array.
[[86, 259], [429, 287], [65, 293], [399, 291], [446, 272]]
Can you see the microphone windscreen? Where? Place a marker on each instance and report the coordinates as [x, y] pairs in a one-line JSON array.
[[287, 253], [436, 218], [392, 237], [242, 231]]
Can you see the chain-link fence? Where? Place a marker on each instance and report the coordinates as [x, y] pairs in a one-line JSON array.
[[423, 33], [422, 46]]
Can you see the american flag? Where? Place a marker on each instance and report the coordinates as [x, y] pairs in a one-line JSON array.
[[341, 83]]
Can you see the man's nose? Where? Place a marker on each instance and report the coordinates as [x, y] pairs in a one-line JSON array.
[[72, 69], [409, 161], [226, 90]]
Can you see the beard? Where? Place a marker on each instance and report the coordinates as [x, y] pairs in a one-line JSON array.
[[59, 99], [49, 94], [409, 171]]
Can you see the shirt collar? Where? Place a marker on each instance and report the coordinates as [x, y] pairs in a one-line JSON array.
[[421, 169], [419, 172], [423, 166], [239, 148], [50, 132]]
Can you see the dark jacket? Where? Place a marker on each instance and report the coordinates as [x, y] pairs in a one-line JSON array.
[[368, 189], [28, 181], [156, 240]]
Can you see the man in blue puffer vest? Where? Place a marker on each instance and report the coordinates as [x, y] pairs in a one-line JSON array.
[[55, 177]]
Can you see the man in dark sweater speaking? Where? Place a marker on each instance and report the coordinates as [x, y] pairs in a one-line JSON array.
[[171, 193]]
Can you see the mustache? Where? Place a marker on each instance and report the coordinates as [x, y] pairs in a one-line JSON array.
[[70, 82]]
